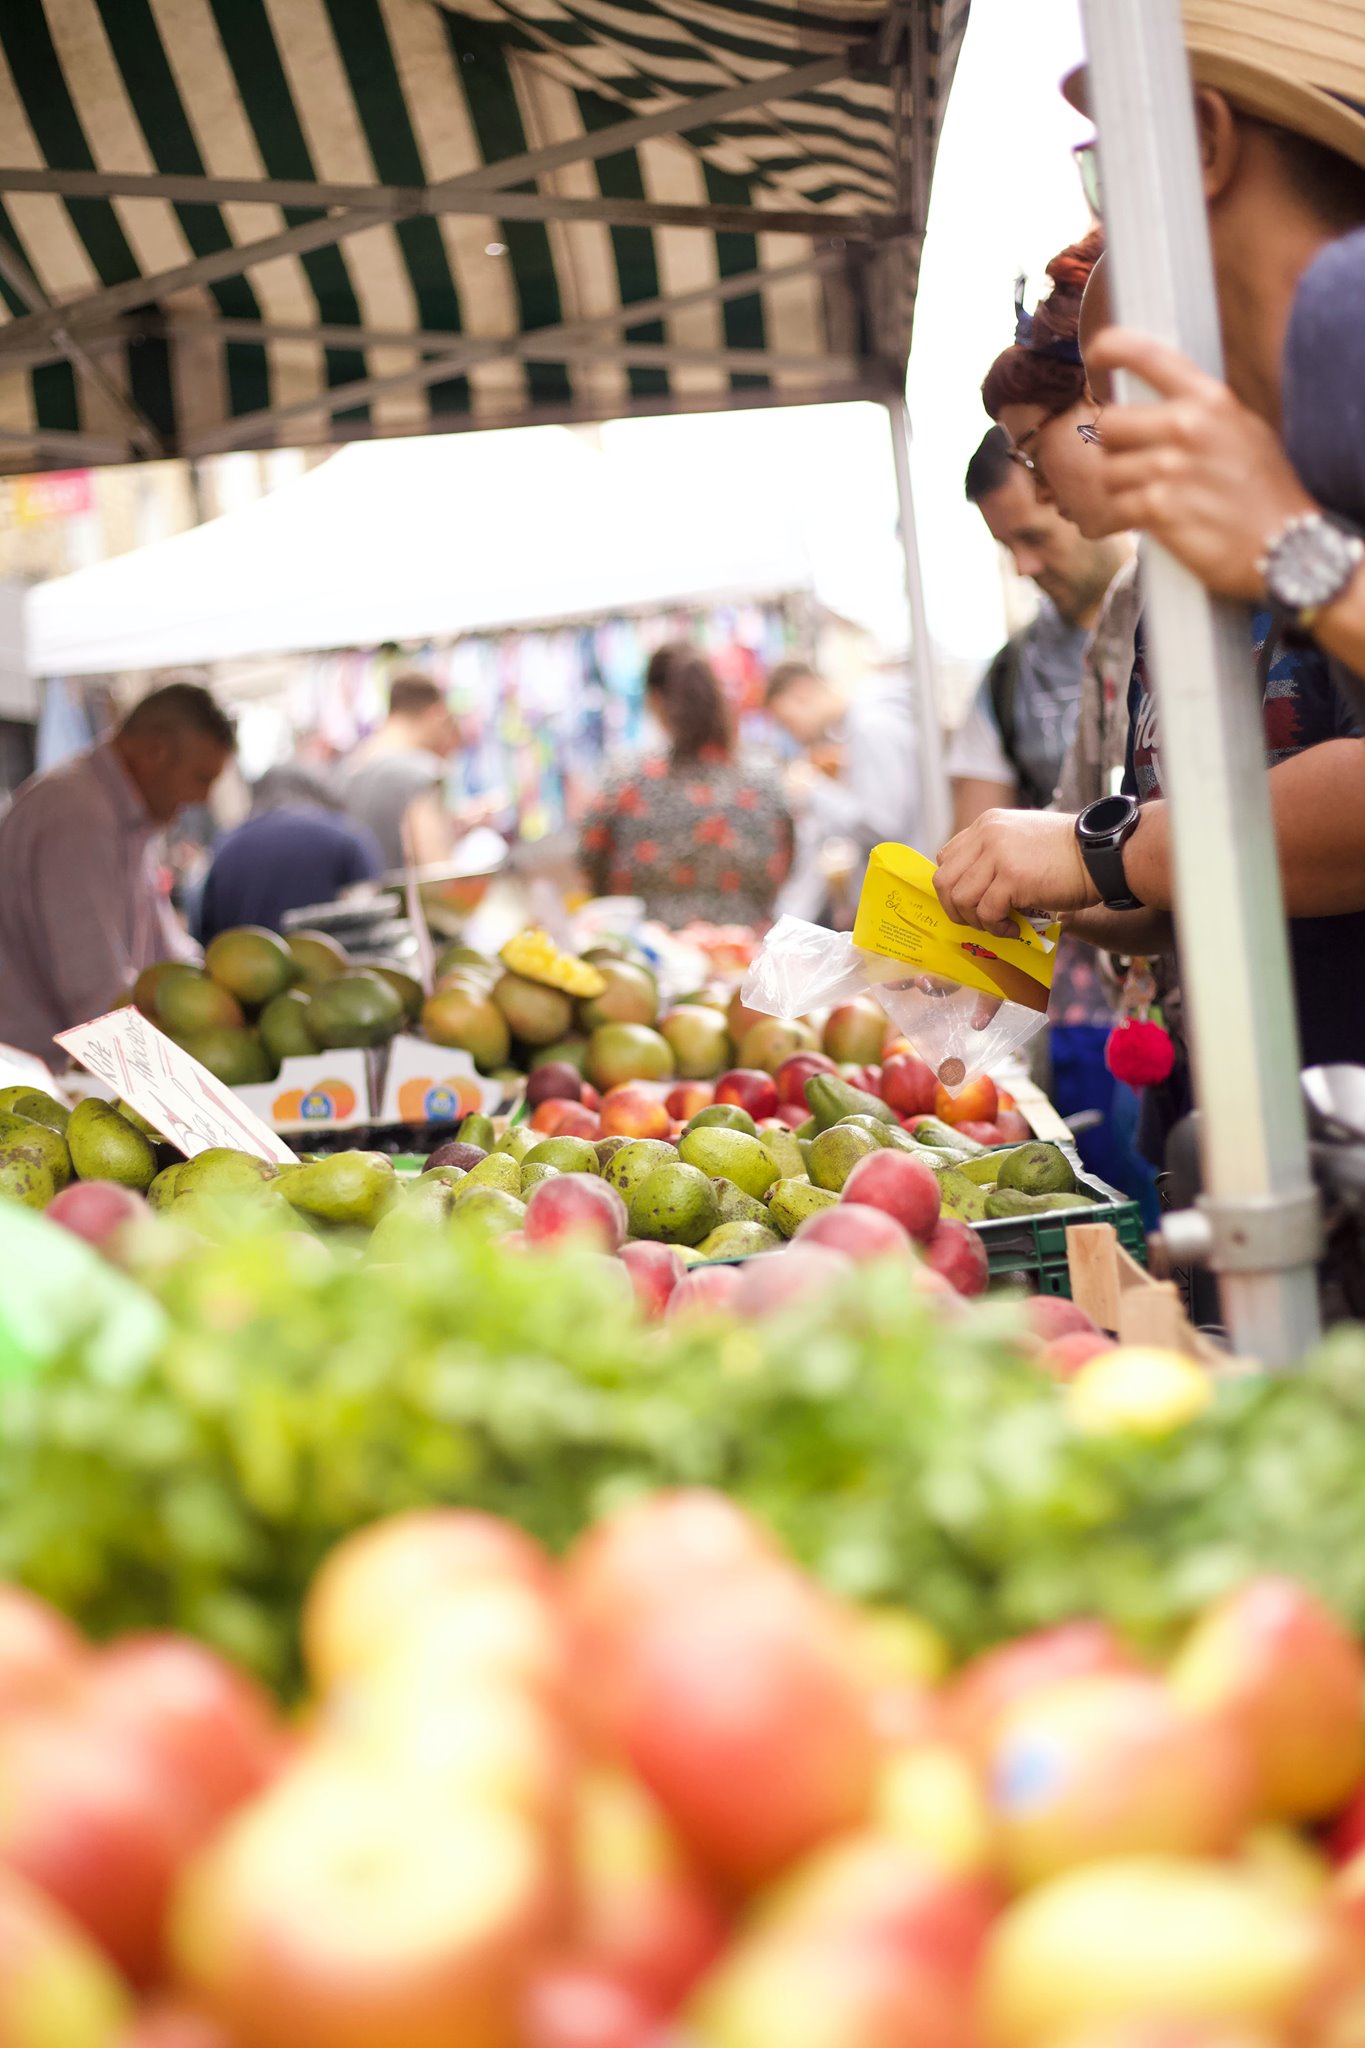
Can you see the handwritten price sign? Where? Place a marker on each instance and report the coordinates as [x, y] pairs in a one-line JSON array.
[[182, 1099]]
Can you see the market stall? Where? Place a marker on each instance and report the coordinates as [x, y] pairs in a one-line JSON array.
[[612, 1581]]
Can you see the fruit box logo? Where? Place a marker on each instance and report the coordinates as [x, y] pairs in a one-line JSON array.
[[326, 1102], [423, 1100]]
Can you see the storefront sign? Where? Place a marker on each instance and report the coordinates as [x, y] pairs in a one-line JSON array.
[[57, 494]]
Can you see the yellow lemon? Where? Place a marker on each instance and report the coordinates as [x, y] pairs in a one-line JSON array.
[[1137, 1391]]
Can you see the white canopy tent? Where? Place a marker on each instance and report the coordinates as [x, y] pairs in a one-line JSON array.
[[412, 540]]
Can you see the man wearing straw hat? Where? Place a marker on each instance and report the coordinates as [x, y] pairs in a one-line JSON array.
[[1258, 514], [1280, 101]]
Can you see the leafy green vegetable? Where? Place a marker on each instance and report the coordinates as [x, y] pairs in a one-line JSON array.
[[904, 1459]]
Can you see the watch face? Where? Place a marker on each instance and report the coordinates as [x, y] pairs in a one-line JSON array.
[[1105, 816], [1311, 563]]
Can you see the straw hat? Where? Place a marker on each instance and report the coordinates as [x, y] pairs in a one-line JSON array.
[[1298, 63]]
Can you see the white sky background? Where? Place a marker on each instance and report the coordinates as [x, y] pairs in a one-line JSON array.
[[1005, 197]]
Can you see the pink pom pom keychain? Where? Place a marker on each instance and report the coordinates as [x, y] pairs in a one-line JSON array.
[[1139, 1050]]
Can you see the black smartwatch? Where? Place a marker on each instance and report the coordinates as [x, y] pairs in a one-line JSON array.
[[1101, 832]]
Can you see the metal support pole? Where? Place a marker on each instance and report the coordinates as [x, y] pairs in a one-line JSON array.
[[931, 826], [1234, 956]]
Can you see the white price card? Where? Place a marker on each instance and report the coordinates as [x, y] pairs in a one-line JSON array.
[[179, 1097]]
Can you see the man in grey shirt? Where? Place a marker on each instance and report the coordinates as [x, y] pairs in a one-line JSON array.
[[396, 784], [81, 913]]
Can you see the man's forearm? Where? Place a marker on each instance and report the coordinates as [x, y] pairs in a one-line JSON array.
[[1123, 931], [1318, 805]]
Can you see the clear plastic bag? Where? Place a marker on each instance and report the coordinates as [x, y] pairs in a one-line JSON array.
[[961, 1032]]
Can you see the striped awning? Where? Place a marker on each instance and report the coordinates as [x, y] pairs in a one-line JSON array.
[[244, 223]]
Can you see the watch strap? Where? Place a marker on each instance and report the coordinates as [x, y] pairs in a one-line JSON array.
[[1104, 864]]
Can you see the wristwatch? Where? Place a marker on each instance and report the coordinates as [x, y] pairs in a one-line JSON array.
[[1308, 564], [1101, 831]]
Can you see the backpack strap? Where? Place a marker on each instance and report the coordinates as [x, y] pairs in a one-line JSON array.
[[1002, 681]]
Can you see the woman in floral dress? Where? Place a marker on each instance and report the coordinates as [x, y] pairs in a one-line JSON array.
[[695, 832]]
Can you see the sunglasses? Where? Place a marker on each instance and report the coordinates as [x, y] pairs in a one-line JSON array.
[[1018, 453], [1087, 159]]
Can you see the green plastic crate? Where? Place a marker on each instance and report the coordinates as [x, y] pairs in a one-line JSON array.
[[1031, 1250]]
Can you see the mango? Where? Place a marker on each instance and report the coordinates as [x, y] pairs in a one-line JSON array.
[[730, 1155], [675, 1203], [105, 1146], [790, 1202]]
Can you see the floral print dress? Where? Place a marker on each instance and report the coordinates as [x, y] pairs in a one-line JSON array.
[[706, 838]]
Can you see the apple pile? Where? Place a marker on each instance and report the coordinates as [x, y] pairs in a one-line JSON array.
[[669, 1790]]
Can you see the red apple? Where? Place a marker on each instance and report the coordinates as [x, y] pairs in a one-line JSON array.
[[746, 1714], [576, 1207], [847, 1993], [1347, 1836], [749, 1088], [90, 1821], [41, 1654], [643, 1912], [375, 1583], [975, 1102], [856, 1229], [958, 1254], [855, 1032], [705, 1290], [878, 1889], [902, 1187], [572, 2005], [793, 1074], [909, 1084], [1054, 1315], [643, 1557], [1111, 1765], [772, 1283], [683, 1101], [591, 1098], [348, 1908], [97, 1210], [655, 1270], [987, 1688], [577, 1120], [556, 1081], [1064, 1356], [558, 1117], [1273, 1660], [1013, 1126], [207, 1728], [56, 1989], [631, 1111]]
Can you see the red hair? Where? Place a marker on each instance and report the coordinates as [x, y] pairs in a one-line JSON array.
[[1028, 374]]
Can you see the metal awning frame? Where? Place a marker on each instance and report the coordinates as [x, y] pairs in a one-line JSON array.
[[106, 320], [1257, 1222]]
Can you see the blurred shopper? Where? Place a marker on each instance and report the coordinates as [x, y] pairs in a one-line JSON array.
[[860, 779], [82, 911], [294, 849], [1033, 389], [394, 785], [1011, 745], [696, 832]]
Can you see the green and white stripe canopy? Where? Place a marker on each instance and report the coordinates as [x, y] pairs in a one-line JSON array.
[[243, 223]]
